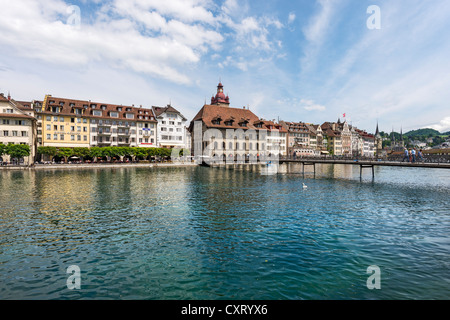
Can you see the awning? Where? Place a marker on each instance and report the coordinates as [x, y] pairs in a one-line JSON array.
[[324, 152]]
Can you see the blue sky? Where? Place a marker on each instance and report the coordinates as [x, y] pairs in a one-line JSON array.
[[301, 60]]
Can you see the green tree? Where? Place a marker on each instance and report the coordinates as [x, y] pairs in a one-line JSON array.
[[81, 152], [18, 151], [2, 149], [65, 153], [95, 152], [48, 151]]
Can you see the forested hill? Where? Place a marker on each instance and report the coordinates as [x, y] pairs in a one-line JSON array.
[[423, 133]]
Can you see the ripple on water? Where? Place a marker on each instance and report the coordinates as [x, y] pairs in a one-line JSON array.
[[197, 233]]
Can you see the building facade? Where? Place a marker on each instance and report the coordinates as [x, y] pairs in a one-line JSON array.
[[224, 133], [81, 123], [171, 131], [17, 127]]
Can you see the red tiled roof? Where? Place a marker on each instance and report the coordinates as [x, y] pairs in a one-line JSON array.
[[16, 116], [160, 110], [68, 105]]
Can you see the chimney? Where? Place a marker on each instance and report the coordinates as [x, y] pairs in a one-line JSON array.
[[9, 96]]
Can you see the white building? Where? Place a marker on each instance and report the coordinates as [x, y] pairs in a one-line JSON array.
[[16, 127], [171, 131]]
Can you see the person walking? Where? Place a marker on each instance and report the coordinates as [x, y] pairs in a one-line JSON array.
[[406, 156], [420, 155], [413, 155]]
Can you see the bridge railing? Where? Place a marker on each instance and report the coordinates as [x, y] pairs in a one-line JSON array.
[[431, 158]]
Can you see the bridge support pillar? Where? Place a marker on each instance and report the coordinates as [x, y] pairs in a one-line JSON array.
[[310, 164], [366, 166]]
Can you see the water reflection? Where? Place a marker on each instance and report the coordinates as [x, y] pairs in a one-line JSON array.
[[206, 233]]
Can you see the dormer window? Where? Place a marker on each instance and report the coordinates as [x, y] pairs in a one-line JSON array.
[[243, 123], [72, 104], [61, 103], [114, 114], [103, 107], [119, 108], [97, 113], [93, 106]]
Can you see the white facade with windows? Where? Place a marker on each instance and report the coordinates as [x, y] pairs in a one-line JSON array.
[[171, 131], [16, 127]]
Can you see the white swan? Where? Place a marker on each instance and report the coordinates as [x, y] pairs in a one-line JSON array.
[[305, 186]]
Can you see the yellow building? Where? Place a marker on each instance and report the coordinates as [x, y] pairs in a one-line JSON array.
[[64, 123]]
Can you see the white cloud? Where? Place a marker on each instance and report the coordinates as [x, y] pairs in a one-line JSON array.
[[38, 30], [442, 126], [310, 105]]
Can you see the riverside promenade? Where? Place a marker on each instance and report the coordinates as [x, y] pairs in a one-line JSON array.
[[97, 166]]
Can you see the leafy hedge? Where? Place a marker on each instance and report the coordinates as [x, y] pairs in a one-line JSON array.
[[94, 152]]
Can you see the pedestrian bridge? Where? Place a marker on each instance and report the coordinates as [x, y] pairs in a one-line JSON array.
[[366, 163]]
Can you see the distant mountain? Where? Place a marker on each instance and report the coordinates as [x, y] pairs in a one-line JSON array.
[[422, 132]]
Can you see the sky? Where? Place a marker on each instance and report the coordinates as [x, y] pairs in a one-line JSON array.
[[374, 61]]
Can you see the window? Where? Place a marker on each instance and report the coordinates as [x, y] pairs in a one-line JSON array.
[[48, 118], [61, 119], [84, 138], [61, 128], [79, 129], [9, 111], [49, 127], [61, 137], [79, 138], [72, 128], [172, 123], [5, 121], [129, 116], [84, 120], [97, 113], [55, 119], [55, 128], [114, 114], [72, 137], [49, 137], [78, 111], [84, 129], [14, 133], [55, 137], [163, 122]]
